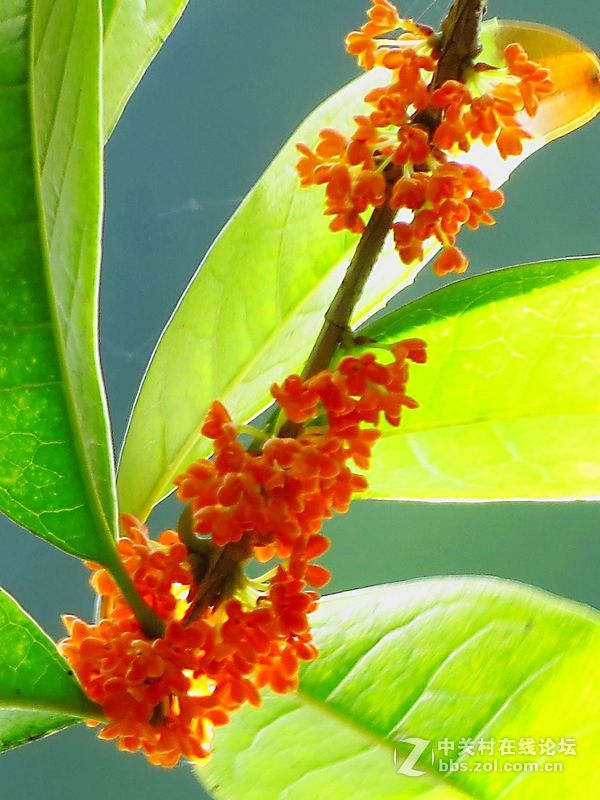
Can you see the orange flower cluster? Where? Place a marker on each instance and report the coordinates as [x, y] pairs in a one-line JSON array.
[[281, 495], [164, 696], [397, 157]]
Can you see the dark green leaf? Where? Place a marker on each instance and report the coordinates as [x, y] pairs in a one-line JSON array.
[[21, 727], [38, 693], [55, 457]]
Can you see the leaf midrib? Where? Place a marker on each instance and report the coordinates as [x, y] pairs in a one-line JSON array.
[[375, 739]]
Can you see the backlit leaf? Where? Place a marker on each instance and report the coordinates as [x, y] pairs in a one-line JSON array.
[[439, 660], [251, 313], [134, 32], [510, 397], [575, 72]]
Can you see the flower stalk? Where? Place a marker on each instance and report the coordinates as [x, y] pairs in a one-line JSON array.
[[188, 637], [152, 625], [459, 44]]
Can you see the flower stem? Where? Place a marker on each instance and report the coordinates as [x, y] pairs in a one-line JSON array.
[[215, 583], [459, 44], [152, 625], [337, 318]]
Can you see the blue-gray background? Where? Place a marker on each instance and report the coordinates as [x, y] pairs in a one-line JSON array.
[[228, 88]]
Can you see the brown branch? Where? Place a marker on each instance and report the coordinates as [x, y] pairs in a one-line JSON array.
[[214, 586], [458, 45], [337, 317], [460, 39]]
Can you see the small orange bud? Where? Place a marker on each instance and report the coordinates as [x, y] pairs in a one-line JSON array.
[[450, 260]]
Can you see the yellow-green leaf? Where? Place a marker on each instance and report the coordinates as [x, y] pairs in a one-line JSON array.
[[510, 396], [134, 32], [575, 73], [438, 660], [252, 311]]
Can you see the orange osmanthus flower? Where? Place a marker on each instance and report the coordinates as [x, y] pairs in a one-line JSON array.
[[395, 158], [165, 696]]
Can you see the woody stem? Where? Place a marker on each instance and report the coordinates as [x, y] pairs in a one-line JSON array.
[[458, 45], [337, 317], [226, 561], [460, 40]]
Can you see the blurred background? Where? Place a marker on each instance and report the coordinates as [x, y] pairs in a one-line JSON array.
[[227, 89]]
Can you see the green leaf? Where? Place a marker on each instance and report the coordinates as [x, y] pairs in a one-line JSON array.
[[510, 396], [56, 475], [38, 693], [133, 34], [437, 659], [251, 313], [21, 727]]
